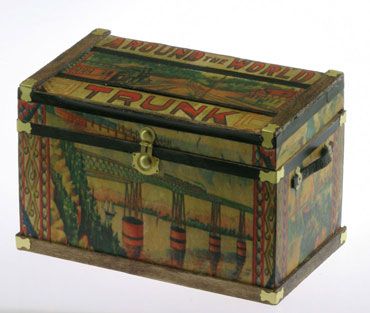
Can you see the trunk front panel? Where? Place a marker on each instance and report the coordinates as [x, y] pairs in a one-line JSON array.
[[190, 218]]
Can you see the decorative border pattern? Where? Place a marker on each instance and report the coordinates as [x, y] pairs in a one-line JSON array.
[[264, 205], [34, 176]]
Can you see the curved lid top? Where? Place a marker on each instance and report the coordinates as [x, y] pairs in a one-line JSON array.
[[178, 88]]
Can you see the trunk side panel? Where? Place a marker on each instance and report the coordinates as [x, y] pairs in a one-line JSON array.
[[308, 216], [308, 130]]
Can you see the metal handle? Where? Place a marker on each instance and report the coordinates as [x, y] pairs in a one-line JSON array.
[[317, 165]]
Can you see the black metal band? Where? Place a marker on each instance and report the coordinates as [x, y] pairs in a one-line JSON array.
[[318, 140], [311, 109], [180, 125], [148, 119], [190, 159], [203, 68], [181, 157]]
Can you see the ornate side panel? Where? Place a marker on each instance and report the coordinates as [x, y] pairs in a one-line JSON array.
[[264, 206], [34, 176], [282, 223], [308, 216]]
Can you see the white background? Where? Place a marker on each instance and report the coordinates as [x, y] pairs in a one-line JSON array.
[[318, 35]]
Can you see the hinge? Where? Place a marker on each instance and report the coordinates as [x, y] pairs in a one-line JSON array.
[[272, 177], [272, 297], [23, 127], [26, 88], [343, 118], [144, 161], [22, 243], [268, 133]]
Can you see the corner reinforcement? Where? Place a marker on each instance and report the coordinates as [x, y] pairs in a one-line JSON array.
[[343, 118], [22, 243], [333, 73], [272, 177], [273, 297], [268, 133], [100, 32], [23, 127], [26, 88], [343, 237]]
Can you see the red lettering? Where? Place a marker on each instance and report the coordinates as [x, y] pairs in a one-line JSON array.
[[237, 64], [96, 89], [133, 45], [195, 55], [126, 96], [188, 109], [148, 105], [114, 43], [303, 76], [148, 47], [179, 53], [271, 70], [255, 67], [283, 72], [219, 118], [167, 49]]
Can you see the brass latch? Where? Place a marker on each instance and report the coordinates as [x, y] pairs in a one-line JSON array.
[[144, 161]]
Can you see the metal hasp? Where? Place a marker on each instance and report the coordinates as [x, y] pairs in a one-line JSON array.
[[143, 161]]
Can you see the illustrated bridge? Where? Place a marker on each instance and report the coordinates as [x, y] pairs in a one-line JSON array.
[[132, 221], [99, 166]]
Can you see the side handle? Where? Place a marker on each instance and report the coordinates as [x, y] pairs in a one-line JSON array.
[[326, 156]]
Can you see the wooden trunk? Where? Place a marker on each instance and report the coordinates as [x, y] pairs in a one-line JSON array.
[[205, 170]]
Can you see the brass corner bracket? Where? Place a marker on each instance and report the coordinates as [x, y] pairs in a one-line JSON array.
[[26, 88], [343, 118], [343, 237], [23, 127], [100, 32], [333, 73], [272, 177], [273, 297], [268, 133], [22, 243]]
